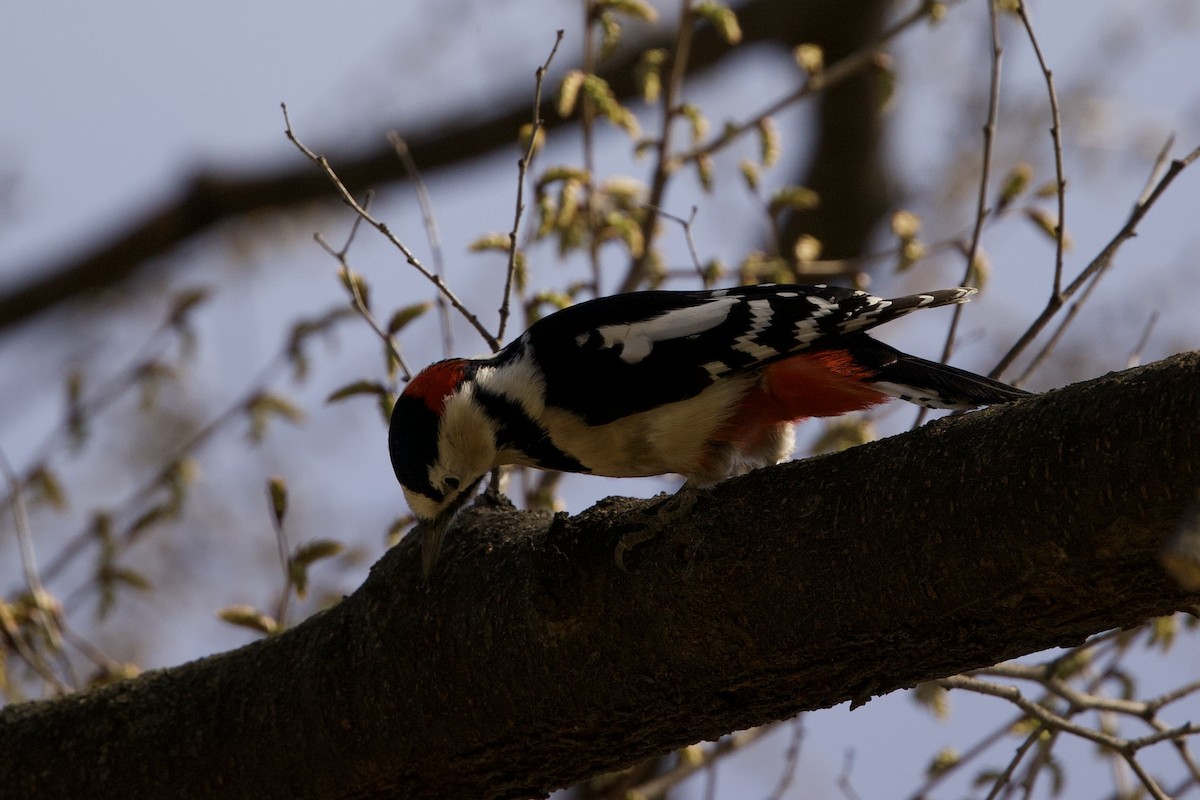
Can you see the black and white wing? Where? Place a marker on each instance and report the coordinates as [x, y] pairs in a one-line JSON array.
[[619, 355]]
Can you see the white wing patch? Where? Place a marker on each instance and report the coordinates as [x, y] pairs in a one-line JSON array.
[[637, 339], [914, 394], [866, 317], [806, 329], [760, 320], [716, 369], [518, 381]]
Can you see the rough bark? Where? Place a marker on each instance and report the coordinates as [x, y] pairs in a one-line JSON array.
[[531, 661], [850, 139]]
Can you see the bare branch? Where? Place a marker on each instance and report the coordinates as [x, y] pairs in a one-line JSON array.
[[535, 130], [431, 231], [815, 84], [383, 228], [982, 211], [686, 224], [75, 545], [1135, 355], [663, 162], [791, 760], [359, 302], [1004, 777], [1036, 710], [1056, 136], [1100, 263], [45, 615], [1078, 701], [696, 758]]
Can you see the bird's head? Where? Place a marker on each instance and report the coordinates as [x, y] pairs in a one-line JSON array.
[[442, 445]]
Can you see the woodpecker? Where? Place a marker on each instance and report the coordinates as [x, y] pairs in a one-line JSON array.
[[705, 384]]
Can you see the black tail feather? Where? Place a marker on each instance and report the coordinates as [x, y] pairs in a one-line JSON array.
[[935, 385], [929, 383]]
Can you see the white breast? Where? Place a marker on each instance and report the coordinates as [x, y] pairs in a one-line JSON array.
[[671, 438]]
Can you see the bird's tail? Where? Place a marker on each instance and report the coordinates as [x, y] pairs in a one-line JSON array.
[[934, 385], [865, 311]]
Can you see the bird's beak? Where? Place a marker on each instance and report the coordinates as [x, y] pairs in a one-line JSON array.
[[433, 531]]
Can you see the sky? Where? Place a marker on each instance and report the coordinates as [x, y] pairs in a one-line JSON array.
[[106, 112]]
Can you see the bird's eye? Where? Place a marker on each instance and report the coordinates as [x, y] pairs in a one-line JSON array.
[[450, 482]]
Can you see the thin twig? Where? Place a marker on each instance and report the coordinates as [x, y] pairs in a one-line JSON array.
[[1101, 262], [359, 302], [663, 162], [985, 173], [71, 549], [843, 781], [425, 202], [686, 224], [813, 85], [1128, 231], [1056, 336], [1151, 785], [702, 758], [44, 616], [1036, 710], [1078, 701], [816, 83], [109, 391], [1179, 731], [383, 228], [1160, 163], [30, 654], [281, 542], [1044, 353], [33, 581], [91, 652], [522, 170], [1135, 357], [1126, 748], [1178, 693], [1004, 777], [1060, 232], [587, 126], [1041, 759], [968, 755], [1181, 749], [791, 760]]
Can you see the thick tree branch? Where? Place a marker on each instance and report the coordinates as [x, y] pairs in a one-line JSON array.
[[532, 662]]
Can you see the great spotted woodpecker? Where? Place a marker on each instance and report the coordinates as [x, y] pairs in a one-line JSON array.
[[704, 384]]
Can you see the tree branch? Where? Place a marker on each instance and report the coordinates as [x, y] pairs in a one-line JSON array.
[[532, 662], [212, 197]]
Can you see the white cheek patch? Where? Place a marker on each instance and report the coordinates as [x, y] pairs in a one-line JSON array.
[[466, 443], [423, 507], [637, 339]]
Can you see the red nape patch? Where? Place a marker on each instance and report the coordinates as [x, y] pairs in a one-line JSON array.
[[437, 382]]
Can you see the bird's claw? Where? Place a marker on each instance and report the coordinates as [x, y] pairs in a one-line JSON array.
[[671, 510]]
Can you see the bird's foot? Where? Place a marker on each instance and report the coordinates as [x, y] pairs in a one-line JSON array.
[[658, 517]]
